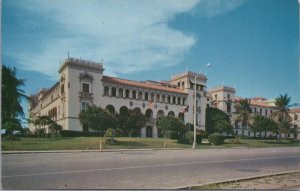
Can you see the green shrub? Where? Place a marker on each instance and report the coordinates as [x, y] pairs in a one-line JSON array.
[[216, 139], [133, 133], [171, 134], [189, 138]]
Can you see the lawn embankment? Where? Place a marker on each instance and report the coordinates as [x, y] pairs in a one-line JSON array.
[[93, 143]]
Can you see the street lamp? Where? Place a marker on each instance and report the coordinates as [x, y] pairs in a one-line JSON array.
[[195, 105]]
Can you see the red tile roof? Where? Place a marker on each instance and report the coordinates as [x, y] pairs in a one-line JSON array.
[[141, 84], [295, 110]]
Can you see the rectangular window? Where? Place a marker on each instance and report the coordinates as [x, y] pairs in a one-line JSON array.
[[85, 88], [84, 105]]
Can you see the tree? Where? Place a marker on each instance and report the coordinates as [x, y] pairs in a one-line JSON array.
[[217, 121], [281, 115], [98, 119], [12, 94], [170, 123], [244, 112], [42, 121], [262, 123], [130, 120]]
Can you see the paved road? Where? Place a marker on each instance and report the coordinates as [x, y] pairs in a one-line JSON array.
[[142, 169]]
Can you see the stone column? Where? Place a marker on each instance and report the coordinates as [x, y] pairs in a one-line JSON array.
[[154, 131]]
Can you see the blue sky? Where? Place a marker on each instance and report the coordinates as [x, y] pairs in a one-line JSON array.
[[252, 45]]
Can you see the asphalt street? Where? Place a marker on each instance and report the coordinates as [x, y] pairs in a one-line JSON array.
[[162, 169]]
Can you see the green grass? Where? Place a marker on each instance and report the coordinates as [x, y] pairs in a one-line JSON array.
[[91, 143]]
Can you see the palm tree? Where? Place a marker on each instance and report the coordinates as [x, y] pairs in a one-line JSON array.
[[12, 96], [244, 112], [281, 115]]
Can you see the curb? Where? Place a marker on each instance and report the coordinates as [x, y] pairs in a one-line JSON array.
[[186, 187], [78, 151]]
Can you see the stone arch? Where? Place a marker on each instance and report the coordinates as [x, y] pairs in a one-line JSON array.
[[123, 109], [171, 113], [110, 109], [181, 116], [159, 114], [137, 109], [106, 90], [149, 113]]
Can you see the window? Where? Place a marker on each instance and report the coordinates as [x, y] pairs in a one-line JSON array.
[[127, 93], [169, 99], [178, 84], [228, 107], [113, 92], [146, 96], [260, 111], [84, 105], [228, 96], [85, 88], [174, 100], [216, 96], [120, 92], [134, 94], [140, 95], [62, 88], [183, 101], [178, 100], [255, 110], [266, 112], [295, 117], [163, 98], [106, 90]]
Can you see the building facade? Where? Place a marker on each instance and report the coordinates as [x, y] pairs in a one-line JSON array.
[[82, 83]]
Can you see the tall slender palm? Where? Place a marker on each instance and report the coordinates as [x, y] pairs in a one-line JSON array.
[[243, 111], [12, 95], [281, 115]]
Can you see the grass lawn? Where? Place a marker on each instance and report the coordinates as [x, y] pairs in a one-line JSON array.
[[90, 143]]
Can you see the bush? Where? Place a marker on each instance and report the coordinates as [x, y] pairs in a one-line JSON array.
[[216, 139], [133, 133], [68, 133], [171, 134], [189, 138]]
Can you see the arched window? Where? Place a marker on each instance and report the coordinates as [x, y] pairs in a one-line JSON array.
[[127, 93], [174, 100], [106, 90], [163, 98], [146, 96], [110, 109], [120, 92], [140, 95], [157, 98], [169, 99], [178, 100], [113, 92], [182, 85], [134, 94], [171, 113], [152, 96]]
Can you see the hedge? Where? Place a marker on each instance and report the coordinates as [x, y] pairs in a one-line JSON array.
[[216, 139], [171, 134], [189, 138], [68, 133], [133, 133]]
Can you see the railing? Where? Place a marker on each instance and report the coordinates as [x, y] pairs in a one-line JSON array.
[[86, 95], [150, 120]]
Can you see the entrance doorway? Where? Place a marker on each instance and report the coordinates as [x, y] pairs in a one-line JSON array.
[[149, 131]]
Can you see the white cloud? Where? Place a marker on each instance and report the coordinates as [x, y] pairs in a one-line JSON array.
[[129, 35], [213, 8]]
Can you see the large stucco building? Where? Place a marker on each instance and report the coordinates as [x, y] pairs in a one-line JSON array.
[[83, 83]]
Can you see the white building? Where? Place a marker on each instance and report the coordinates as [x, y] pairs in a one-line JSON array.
[[82, 83]]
